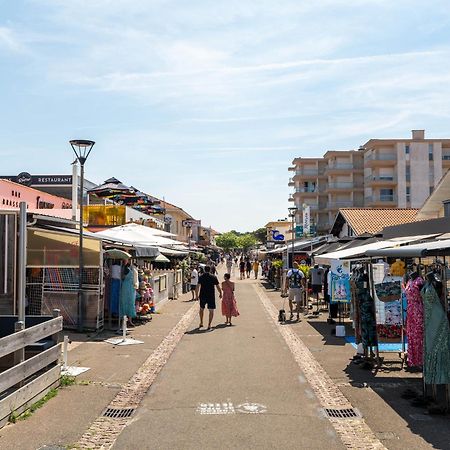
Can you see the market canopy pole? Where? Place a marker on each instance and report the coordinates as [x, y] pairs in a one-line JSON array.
[[82, 149]]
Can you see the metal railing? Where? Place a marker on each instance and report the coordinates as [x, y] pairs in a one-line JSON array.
[[343, 185], [381, 157], [381, 178]]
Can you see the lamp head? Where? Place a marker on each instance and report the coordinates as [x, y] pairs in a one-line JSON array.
[[82, 148]]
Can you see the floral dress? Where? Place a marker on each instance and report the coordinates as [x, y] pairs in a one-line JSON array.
[[437, 339], [414, 322], [229, 307]]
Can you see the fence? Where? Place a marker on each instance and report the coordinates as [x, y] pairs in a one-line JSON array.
[[167, 284], [24, 381]]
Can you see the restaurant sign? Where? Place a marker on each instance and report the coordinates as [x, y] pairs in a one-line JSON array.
[[27, 179]]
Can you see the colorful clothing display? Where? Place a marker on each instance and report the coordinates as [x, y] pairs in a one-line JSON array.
[[437, 338], [128, 295], [229, 307], [414, 323], [366, 311]]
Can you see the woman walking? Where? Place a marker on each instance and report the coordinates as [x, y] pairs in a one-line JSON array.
[[242, 269], [229, 307]]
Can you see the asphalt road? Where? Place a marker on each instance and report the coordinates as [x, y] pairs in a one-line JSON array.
[[233, 387]]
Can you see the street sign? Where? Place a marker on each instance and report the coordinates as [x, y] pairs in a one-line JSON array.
[[299, 231], [190, 223]]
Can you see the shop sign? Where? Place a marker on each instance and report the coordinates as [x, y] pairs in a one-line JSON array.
[[26, 179], [299, 231], [277, 236], [306, 219], [189, 223], [340, 281]]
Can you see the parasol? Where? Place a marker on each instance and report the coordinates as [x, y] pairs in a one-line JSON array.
[[115, 253]]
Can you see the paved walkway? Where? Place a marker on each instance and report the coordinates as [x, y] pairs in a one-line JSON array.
[[257, 384]]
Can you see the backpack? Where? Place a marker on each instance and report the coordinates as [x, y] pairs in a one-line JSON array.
[[295, 279]]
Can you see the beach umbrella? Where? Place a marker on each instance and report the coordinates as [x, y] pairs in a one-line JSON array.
[[115, 253]]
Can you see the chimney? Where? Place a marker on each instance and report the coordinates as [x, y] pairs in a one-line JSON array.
[[418, 135]]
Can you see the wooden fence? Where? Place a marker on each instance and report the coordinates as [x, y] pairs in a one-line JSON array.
[[26, 382]]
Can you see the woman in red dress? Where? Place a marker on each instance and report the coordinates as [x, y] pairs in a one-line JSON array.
[[229, 308]]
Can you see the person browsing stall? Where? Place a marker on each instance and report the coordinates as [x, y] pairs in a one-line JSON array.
[[295, 281]]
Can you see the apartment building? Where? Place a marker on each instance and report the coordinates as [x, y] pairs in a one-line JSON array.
[[383, 173], [327, 184]]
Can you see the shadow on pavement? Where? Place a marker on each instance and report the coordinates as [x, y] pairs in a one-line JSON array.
[[326, 330]]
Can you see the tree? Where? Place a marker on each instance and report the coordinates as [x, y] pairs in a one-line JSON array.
[[261, 235], [246, 241], [227, 241]]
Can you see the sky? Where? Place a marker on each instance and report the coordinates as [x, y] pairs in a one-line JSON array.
[[206, 103]]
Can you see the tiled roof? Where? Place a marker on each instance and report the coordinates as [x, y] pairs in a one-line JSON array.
[[373, 220]]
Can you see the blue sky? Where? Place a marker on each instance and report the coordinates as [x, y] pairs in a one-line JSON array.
[[206, 102]]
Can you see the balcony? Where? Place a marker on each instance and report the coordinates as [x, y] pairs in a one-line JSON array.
[[305, 173], [381, 200], [342, 168], [291, 182], [379, 180], [381, 159], [344, 186], [340, 204]]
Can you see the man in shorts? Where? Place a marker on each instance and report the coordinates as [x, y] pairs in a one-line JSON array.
[[295, 281], [194, 282], [207, 283]]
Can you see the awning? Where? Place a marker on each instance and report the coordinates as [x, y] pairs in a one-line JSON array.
[[161, 258], [432, 248], [172, 252], [362, 251], [146, 252]]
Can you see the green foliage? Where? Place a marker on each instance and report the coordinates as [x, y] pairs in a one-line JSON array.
[[246, 241], [227, 241], [260, 234], [67, 380], [304, 269], [277, 263], [14, 416]]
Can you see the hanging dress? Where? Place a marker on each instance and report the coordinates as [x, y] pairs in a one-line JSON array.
[[414, 322], [229, 307], [128, 295], [437, 338], [366, 312]]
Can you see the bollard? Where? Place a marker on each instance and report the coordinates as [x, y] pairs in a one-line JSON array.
[[124, 327], [65, 352]]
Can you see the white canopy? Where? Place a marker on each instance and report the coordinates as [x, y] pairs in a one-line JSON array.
[[431, 248], [138, 234], [361, 251]]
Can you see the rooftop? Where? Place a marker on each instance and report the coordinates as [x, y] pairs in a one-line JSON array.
[[373, 220]]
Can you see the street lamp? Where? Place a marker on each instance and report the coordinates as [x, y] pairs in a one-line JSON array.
[[292, 212], [82, 149]]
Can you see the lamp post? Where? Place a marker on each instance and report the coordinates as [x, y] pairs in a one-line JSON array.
[[82, 149], [292, 212]]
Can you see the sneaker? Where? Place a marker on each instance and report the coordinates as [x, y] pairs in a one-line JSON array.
[[291, 316]]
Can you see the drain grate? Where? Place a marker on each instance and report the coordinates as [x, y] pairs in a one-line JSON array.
[[349, 413], [118, 413]]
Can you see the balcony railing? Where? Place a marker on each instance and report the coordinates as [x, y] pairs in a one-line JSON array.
[[341, 204], [307, 172], [380, 198], [340, 166], [309, 189], [381, 157], [342, 185], [380, 178]]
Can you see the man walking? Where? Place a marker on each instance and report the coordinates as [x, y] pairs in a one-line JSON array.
[[294, 285], [207, 283]]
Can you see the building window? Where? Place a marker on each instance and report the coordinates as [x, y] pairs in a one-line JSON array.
[[406, 149], [431, 189], [430, 152], [386, 195], [408, 194], [408, 173]]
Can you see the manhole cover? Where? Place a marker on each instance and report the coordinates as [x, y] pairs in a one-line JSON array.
[[251, 408], [348, 413], [118, 413]]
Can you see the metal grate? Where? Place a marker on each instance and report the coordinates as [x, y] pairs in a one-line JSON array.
[[349, 413], [118, 413]]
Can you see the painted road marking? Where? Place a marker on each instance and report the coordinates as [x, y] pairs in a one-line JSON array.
[[227, 408], [251, 408], [354, 433]]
